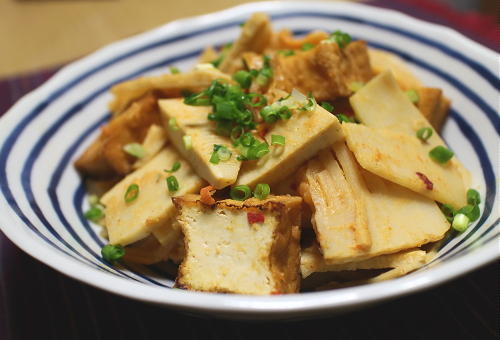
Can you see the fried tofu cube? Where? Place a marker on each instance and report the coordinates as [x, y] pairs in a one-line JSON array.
[[154, 141], [433, 105], [249, 247], [305, 133], [128, 222], [192, 122]]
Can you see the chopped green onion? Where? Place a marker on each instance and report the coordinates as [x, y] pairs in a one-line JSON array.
[[355, 86], [471, 211], [172, 183], [412, 96], [94, 214], [135, 149], [327, 106], [307, 47], [220, 153], [112, 253], [236, 133], [240, 192], [424, 133], [261, 191], [175, 167], [311, 103], [258, 151], [94, 199], [172, 124], [448, 211], [287, 53], [460, 222], [214, 158], [242, 23], [243, 78], [188, 142], [174, 70], [132, 193], [261, 100], [341, 38], [277, 139], [345, 119], [473, 197], [216, 62], [441, 154]]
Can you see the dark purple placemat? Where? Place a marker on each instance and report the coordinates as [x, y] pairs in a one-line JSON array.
[[37, 302]]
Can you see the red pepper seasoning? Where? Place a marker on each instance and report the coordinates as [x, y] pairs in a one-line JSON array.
[[428, 184], [255, 217]]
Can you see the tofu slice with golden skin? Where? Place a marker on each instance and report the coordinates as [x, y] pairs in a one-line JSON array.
[[249, 247], [130, 222], [402, 159], [306, 133], [312, 261], [382, 104], [154, 141], [192, 121]]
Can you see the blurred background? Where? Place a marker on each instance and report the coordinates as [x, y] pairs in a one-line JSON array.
[[41, 34]]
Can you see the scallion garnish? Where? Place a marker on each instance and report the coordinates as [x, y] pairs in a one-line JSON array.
[[240, 192], [310, 105], [355, 86], [112, 253], [176, 166], [307, 47], [261, 191], [448, 211], [243, 78], [460, 222], [220, 153], [471, 211], [327, 106], [345, 119], [94, 214], [172, 183], [174, 70], [473, 197], [341, 38], [412, 96], [287, 53], [424, 133], [277, 139], [263, 75], [188, 142], [135, 149], [172, 124], [94, 199], [132, 193], [441, 154]]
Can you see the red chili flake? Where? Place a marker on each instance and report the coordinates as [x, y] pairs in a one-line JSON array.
[[255, 217], [274, 292], [428, 184]]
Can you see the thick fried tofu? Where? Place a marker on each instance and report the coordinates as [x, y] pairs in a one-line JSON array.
[[398, 218], [105, 157], [192, 122], [327, 71], [249, 247], [305, 133], [402, 159], [285, 39], [312, 261], [153, 207], [255, 36], [170, 85], [147, 251], [433, 105]]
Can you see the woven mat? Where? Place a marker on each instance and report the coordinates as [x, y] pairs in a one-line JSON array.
[[37, 302]]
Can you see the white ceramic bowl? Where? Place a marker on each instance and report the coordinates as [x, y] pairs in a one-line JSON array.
[[42, 197]]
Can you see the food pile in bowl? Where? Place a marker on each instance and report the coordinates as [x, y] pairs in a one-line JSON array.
[[278, 164]]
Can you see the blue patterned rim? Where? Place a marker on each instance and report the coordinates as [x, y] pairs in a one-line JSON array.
[[466, 129]]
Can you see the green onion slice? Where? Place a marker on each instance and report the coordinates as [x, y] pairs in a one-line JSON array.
[[172, 124], [460, 222], [112, 253], [172, 183], [243, 78], [93, 200], [424, 133], [345, 119], [94, 214], [261, 191], [135, 149], [441, 154], [341, 38], [327, 106], [188, 142], [240, 192], [277, 139], [473, 197], [448, 211], [132, 193], [471, 211], [307, 47], [355, 86], [174, 70], [412, 96], [176, 166], [287, 53]]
